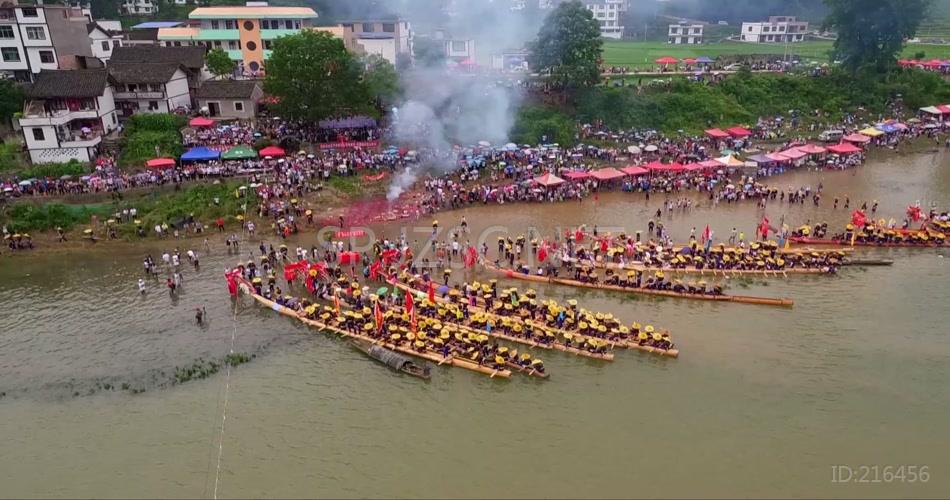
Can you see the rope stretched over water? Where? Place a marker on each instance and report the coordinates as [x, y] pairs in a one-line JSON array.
[[227, 386]]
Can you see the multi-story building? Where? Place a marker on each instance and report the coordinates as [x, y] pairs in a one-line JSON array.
[[66, 114], [684, 33], [139, 7], [41, 37], [609, 14], [149, 88], [103, 40], [778, 29], [390, 39], [246, 33]]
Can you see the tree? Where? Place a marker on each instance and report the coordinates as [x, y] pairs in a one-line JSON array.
[[872, 32], [568, 47], [428, 52], [105, 9], [219, 63], [314, 78], [11, 100], [381, 80]]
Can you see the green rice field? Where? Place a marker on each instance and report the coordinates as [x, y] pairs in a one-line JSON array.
[[643, 54]]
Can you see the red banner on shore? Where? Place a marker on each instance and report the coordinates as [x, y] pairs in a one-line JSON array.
[[349, 145], [350, 234]]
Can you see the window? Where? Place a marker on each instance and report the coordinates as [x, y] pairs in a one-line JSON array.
[[230, 25], [46, 57], [389, 28], [38, 134], [288, 24], [35, 33], [29, 12], [458, 46], [215, 25], [106, 47], [251, 46], [249, 26], [132, 87], [238, 106], [153, 105], [10, 54], [265, 24], [267, 44], [6, 32], [369, 27]]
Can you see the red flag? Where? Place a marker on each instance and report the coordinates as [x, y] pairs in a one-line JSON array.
[[603, 245], [374, 269], [410, 308], [378, 314], [579, 235], [471, 257], [432, 292], [858, 218], [542, 253], [336, 303], [232, 277], [706, 234]]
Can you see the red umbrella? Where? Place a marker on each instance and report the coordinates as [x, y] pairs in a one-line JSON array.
[[201, 121], [667, 60], [271, 151], [689, 60]]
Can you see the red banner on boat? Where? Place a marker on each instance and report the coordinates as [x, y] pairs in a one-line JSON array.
[[349, 258], [858, 218], [356, 233], [349, 145]]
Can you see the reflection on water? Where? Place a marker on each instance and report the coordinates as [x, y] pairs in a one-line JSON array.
[[763, 401]]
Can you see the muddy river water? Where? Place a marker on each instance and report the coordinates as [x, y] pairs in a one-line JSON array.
[[762, 402]]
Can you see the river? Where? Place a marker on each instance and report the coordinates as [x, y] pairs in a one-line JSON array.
[[762, 401]]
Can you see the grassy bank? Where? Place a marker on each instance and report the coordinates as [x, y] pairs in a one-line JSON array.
[[740, 99], [643, 54], [204, 202]]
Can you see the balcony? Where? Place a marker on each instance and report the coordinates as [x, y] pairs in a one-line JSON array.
[[81, 138], [33, 117], [139, 95]]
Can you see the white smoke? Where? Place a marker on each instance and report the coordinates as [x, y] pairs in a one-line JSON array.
[[449, 106]]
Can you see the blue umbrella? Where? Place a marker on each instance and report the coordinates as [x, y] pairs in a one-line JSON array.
[[442, 289], [704, 60]]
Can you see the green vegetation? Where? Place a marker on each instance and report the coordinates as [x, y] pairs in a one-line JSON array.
[[30, 216], [10, 159], [641, 55], [535, 124], [568, 47], [11, 100], [204, 201], [871, 34], [149, 136], [382, 81], [219, 63], [741, 99], [349, 185], [315, 78]]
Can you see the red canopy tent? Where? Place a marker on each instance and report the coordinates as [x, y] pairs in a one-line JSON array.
[[811, 149], [667, 60], [606, 174], [944, 108], [200, 121], [845, 148], [271, 151], [933, 63], [662, 167], [793, 153], [858, 138], [549, 180], [634, 170], [689, 60], [739, 132], [710, 164], [160, 163], [692, 167], [575, 175], [778, 157], [716, 133]]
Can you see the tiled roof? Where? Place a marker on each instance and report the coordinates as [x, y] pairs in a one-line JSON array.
[[227, 89], [69, 83]]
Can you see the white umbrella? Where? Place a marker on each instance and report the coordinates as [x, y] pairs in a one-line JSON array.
[[651, 148], [7, 189], [633, 150], [484, 144], [25, 183]]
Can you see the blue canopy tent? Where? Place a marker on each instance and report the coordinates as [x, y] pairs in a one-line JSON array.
[[887, 128], [704, 60], [200, 154]]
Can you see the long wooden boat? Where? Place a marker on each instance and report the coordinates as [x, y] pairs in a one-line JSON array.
[[557, 346], [630, 344], [430, 356], [392, 359], [740, 299], [806, 240], [677, 247], [635, 266]]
